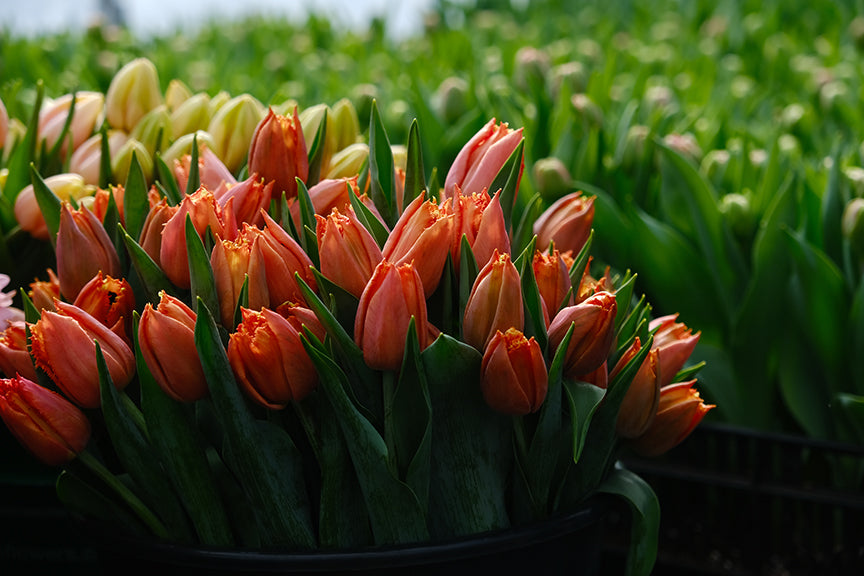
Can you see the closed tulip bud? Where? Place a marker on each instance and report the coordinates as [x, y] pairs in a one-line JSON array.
[[174, 258], [45, 423], [278, 153], [300, 317], [134, 91], [14, 356], [363, 95], [553, 279], [87, 158], [852, 224], [63, 345], [183, 146], [233, 262], [166, 335], [495, 303], [679, 411], [15, 133], [283, 257], [269, 360], [110, 301], [513, 377], [232, 128], [190, 116], [64, 186], [451, 99], [567, 223], [121, 162], [53, 117], [43, 293], [531, 68], [638, 148], [572, 75], [481, 220], [642, 397], [480, 160], [344, 124], [176, 94], [675, 342], [552, 178], [83, 250], [587, 111], [421, 236], [102, 198], [347, 250], [392, 297], [218, 101], [212, 173], [686, 145], [347, 162], [326, 195], [248, 199], [594, 331], [154, 130], [151, 231]]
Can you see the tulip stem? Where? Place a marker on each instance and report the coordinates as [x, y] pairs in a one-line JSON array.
[[137, 506], [389, 388]]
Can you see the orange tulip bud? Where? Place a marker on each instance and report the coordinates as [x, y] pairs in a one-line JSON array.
[[480, 160], [422, 237], [212, 173], [553, 279], [14, 356], [45, 423], [392, 297], [166, 335], [151, 232], [282, 257], [234, 261], [269, 360], [513, 374], [327, 195], [278, 153], [202, 207], [103, 197], [347, 250], [110, 301], [679, 411], [567, 223], [594, 331], [83, 250], [248, 199], [495, 303], [63, 345], [481, 220], [640, 403], [43, 293], [675, 342]]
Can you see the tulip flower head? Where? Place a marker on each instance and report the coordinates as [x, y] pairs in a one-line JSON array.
[[674, 342], [269, 360], [553, 279], [53, 118], [480, 160], [495, 303], [514, 379], [679, 411], [248, 198], [278, 153], [45, 423], [14, 356], [642, 397], [212, 173], [283, 257], [64, 346], [166, 335], [347, 250], [83, 250], [594, 330], [567, 223], [481, 220], [43, 292], [235, 261], [392, 297], [134, 91], [109, 300], [27, 211]]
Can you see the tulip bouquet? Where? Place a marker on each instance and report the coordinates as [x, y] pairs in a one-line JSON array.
[[264, 343]]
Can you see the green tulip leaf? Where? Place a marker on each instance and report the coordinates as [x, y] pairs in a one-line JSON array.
[[93, 502], [507, 180], [168, 182], [381, 170], [20, 162], [193, 181], [584, 400], [135, 202], [105, 173], [153, 279], [415, 181], [200, 270], [369, 220], [49, 204], [316, 151]]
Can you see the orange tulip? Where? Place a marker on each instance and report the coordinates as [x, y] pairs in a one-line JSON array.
[[594, 331], [166, 335], [248, 199], [14, 357], [640, 403], [212, 172], [278, 153], [422, 237], [43, 293], [110, 301], [83, 250], [679, 411], [495, 303], [674, 342], [283, 257], [480, 160], [567, 223], [235, 261], [392, 297], [63, 345], [103, 197], [480, 219], [269, 360], [513, 374], [45, 423], [327, 195], [202, 207], [553, 279], [347, 250]]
